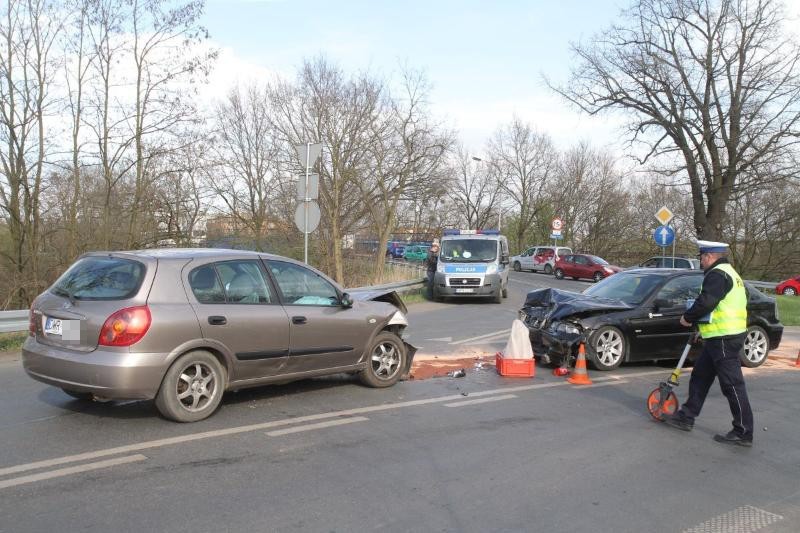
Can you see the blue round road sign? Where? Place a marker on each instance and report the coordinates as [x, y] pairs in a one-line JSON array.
[[664, 235]]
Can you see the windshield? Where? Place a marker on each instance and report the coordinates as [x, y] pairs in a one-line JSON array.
[[598, 260], [100, 278], [468, 251], [630, 288]]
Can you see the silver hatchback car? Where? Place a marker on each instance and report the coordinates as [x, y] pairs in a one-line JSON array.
[[184, 325]]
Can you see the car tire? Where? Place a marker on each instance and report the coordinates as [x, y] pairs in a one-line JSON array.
[[756, 347], [789, 291], [607, 348], [559, 274], [548, 269], [517, 266], [598, 276], [386, 359], [436, 296], [78, 395], [192, 387], [497, 297]]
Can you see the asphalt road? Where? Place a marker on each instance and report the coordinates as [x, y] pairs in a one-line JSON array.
[[479, 453]]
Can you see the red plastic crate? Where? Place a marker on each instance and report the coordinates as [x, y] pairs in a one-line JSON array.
[[523, 368]]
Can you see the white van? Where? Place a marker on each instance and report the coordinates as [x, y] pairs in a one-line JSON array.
[[539, 258], [472, 263]]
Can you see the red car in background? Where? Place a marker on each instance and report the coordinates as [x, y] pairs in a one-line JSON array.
[[790, 287], [586, 266]]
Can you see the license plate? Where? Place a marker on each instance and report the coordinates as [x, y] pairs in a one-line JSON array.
[[52, 326], [462, 291]]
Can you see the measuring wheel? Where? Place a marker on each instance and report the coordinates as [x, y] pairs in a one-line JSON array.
[[662, 402]]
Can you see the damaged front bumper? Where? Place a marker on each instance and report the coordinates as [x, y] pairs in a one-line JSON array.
[[554, 342]]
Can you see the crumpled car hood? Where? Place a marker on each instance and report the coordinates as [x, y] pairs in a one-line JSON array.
[[379, 295], [565, 303]]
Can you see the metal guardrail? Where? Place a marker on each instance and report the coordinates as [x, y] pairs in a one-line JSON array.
[[16, 320]]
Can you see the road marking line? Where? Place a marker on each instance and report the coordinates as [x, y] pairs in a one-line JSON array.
[[486, 336], [79, 469], [482, 400], [147, 445], [320, 425]]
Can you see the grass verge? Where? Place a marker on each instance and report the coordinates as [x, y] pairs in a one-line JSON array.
[[414, 297], [789, 309], [12, 341]]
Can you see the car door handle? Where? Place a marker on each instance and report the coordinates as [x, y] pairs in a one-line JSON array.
[[298, 320], [217, 320]]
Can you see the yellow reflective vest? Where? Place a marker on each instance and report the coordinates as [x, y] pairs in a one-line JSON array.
[[730, 315]]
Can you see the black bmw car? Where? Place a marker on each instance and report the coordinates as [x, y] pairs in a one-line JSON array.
[[634, 316]]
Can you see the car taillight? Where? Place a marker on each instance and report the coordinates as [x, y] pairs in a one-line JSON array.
[[125, 327], [31, 323]]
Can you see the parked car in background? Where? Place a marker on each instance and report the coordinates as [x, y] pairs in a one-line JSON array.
[[577, 266], [417, 252], [790, 287], [395, 249], [635, 316], [670, 262], [182, 326], [539, 258]]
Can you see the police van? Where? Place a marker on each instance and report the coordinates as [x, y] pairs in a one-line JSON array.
[[472, 263]]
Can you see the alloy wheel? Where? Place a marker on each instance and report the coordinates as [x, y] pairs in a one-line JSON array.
[[385, 360], [755, 346], [196, 386], [609, 348]]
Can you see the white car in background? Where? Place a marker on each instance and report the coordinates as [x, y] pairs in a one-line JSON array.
[[539, 258]]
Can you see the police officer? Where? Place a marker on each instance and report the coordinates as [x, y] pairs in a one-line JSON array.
[[430, 264], [720, 312]]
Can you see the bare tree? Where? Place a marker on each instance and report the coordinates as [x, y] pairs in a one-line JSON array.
[[28, 31], [523, 161], [711, 88], [342, 114], [408, 154], [165, 37], [245, 157], [474, 193]]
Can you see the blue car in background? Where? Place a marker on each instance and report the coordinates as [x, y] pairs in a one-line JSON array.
[[395, 249]]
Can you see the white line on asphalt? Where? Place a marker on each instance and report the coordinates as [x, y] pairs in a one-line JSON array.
[[319, 425], [285, 422], [482, 400], [79, 469], [485, 336]]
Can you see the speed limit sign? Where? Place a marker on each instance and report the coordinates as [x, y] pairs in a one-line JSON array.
[[557, 224]]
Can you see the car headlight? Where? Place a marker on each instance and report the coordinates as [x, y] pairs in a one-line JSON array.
[[566, 328], [522, 315], [491, 269], [610, 271], [440, 268]]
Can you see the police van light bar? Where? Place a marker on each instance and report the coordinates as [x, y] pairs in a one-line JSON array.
[[471, 232]]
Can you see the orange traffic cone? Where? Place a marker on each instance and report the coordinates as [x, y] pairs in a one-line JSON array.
[[580, 376], [797, 361]]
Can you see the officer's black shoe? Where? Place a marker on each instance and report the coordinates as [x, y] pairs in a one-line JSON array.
[[679, 421], [732, 438]]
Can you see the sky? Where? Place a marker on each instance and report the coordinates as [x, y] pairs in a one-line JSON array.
[[484, 59]]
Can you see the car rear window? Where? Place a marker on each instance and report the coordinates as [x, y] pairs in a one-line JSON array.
[[100, 278]]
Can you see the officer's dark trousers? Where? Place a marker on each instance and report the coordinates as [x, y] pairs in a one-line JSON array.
[[720, 358]]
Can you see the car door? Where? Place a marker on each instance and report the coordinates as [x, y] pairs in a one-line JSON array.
[[661, 333], [581, 268], [526, 259], [323, 333], [237, 307]]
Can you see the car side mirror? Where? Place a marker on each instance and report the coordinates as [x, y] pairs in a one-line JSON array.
[[346, 301], [504, 259]]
